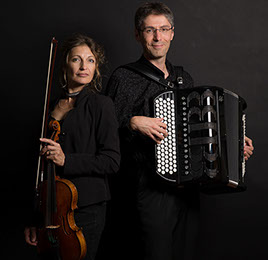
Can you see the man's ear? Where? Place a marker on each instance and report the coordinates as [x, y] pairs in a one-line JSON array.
[[173, 33]]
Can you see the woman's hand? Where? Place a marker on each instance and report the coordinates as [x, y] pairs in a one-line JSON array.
[[30, 236], [151, 127], [53, 151], [248, 148]]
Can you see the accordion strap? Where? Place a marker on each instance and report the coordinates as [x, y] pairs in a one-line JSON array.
[[203, 140], [202, 126], [144, 70]]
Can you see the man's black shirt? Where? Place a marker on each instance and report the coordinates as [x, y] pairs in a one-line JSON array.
[[132, 94]]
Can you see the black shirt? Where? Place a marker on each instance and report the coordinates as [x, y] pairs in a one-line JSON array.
[[132, 94]]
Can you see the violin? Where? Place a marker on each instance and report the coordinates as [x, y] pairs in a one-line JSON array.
[[58, 234]]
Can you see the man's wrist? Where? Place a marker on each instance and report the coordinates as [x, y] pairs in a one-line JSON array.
[[132, 124]]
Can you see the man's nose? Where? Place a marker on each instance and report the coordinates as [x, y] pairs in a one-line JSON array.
[[157, 35]]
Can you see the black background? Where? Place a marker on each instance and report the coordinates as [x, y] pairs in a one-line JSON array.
[[222, 43]]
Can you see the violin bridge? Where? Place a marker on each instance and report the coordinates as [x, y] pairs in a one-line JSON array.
[[52, 227]]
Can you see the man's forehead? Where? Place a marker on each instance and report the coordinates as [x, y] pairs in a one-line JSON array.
[[156, 21]]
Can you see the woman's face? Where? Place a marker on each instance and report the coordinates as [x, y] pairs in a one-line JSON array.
[[80, 67]]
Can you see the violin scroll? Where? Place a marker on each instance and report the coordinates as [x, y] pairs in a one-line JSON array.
[[54, 125]]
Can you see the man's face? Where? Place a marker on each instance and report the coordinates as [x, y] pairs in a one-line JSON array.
[[155, 43]]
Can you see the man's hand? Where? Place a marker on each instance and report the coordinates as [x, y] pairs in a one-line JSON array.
[[151, 127], [248, 148]]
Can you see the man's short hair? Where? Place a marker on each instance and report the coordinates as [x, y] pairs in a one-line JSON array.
[[156, 8]]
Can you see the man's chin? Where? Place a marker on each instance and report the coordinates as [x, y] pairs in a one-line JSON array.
[[156, 55]]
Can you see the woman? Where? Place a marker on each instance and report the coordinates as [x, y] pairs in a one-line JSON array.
[[88, 147]]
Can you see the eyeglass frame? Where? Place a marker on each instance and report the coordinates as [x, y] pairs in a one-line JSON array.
[[155, 29]]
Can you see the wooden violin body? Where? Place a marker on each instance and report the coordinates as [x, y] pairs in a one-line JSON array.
[[62, 237]]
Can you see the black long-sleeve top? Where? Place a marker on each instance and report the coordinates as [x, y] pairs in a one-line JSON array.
[[90, 142]]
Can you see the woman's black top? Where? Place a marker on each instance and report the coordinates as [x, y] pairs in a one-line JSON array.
[[89, 140]]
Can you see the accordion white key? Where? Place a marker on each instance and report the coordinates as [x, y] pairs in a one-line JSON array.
[[205, 142]]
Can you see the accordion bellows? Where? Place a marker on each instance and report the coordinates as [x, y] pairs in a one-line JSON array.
[[205, 142]]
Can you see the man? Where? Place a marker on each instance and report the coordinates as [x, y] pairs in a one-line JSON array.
[[168, 216]]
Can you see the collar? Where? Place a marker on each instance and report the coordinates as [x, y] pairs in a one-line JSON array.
[[158, 72], [84, 92]]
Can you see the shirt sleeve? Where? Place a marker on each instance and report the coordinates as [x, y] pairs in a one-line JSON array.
[[115, 90], [119, 90], [107, 158]]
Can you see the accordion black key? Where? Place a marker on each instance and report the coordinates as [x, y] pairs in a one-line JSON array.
[[205, 142]]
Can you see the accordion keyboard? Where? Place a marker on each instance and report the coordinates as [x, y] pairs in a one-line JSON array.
[[244, 134]]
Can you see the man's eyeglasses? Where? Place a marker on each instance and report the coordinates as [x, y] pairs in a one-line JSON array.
[[152, 30]]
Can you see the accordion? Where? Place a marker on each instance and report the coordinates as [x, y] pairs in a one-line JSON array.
[[205, 142]]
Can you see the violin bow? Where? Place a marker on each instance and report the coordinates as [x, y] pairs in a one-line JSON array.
[[51, 64]]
